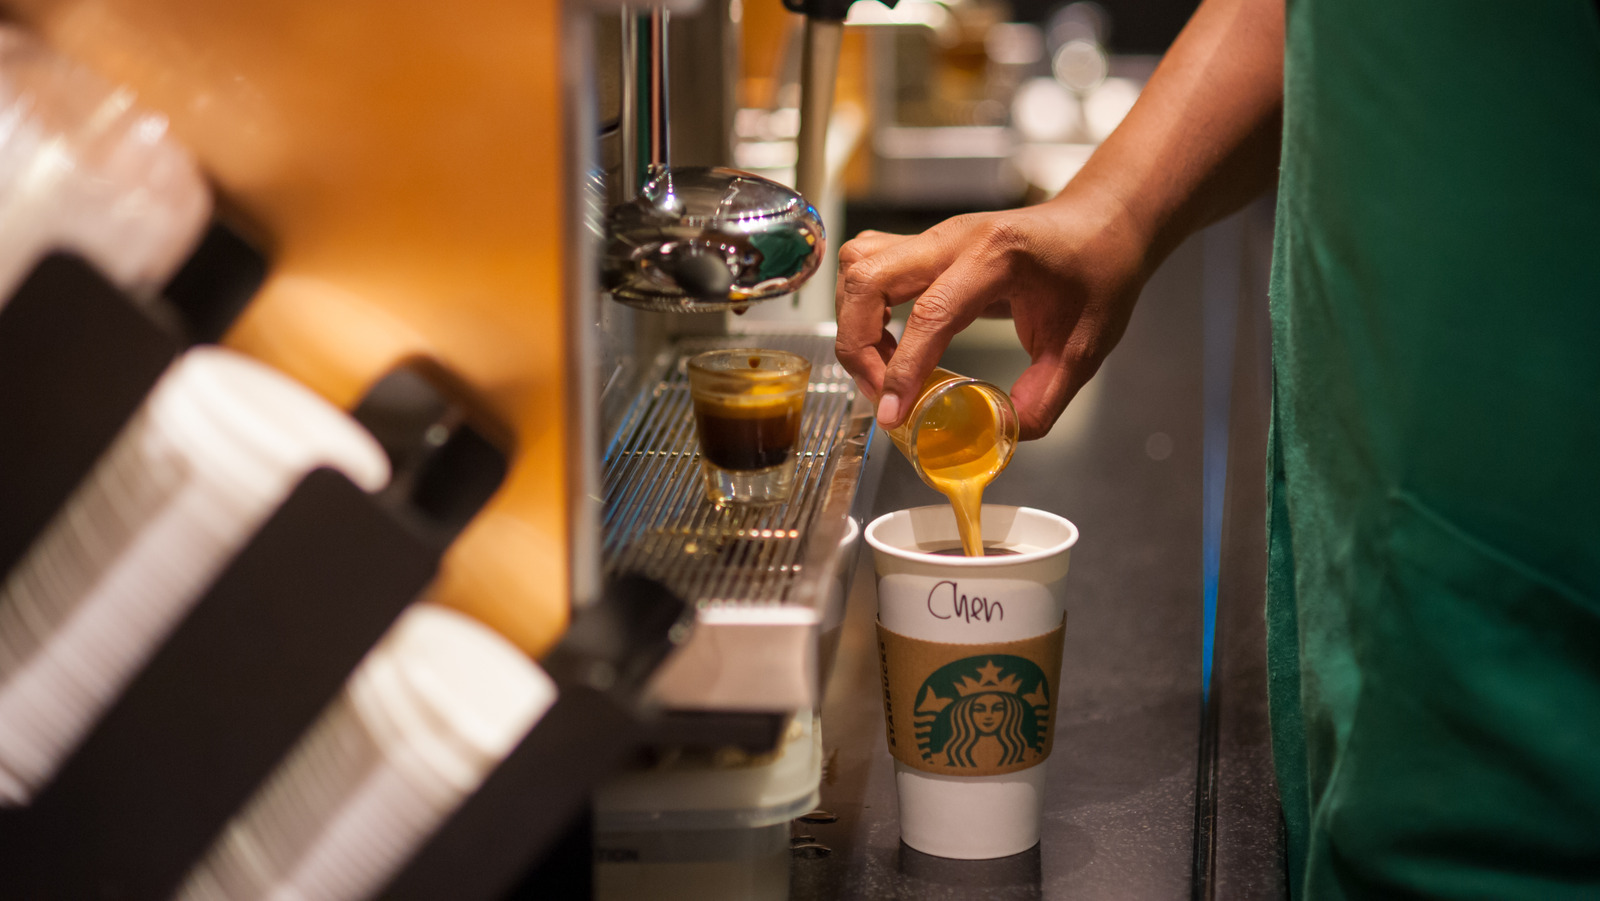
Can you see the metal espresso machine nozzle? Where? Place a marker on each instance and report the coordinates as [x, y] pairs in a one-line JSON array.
[[710, 238], [705, 238]]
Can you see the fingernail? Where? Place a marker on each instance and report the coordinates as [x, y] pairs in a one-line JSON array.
[[889, 410]]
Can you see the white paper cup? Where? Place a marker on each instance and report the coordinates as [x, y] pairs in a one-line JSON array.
[[84, 167], [425, 718], [216, 447], [971, 653]]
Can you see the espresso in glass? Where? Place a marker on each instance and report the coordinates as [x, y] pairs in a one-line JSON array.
[[751, 436], [747, 408]]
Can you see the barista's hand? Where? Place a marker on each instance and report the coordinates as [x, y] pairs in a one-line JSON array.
[[1067, 272]]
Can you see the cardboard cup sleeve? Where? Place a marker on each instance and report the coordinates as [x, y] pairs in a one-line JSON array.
[[970, 709]]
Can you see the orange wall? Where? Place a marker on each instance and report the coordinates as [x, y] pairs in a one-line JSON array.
[[402, 161]]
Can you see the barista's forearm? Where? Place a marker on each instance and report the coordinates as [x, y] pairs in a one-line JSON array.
[[1204, 137]]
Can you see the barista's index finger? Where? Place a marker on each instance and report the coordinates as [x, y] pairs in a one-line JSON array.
[[861, 260], [945, 307], [863, 343], [868, 242], [878, 271]]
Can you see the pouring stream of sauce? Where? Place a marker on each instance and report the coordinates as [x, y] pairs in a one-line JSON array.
[[959, 450]]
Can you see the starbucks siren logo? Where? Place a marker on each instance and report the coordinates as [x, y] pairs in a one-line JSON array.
[[983, 713]]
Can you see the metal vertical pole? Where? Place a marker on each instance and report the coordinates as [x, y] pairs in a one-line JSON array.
[[819, 70], [628, 121], [659, 155]]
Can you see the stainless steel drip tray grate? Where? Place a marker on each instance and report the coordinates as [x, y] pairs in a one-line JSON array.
[[763, 578]]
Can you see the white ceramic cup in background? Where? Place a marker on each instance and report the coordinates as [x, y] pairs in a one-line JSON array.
[[214, 450], [971, 650]]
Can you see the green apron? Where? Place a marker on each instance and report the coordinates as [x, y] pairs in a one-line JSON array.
[[1434, 523]]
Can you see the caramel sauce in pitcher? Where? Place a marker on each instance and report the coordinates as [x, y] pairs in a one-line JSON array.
[[959, 439]]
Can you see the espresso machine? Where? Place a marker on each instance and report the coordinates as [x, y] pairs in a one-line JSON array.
[[709, 813], [528, 207]]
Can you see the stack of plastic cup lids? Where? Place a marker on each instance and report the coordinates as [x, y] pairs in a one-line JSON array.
[[83, 168], [211, 454], [428, 714]]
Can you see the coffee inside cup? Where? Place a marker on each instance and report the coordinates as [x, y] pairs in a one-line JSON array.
[[957, 550]]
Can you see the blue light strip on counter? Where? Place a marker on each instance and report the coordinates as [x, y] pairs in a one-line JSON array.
[[1222, 246]]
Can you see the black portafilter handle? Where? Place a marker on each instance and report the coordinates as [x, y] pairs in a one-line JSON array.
[[834, 10]]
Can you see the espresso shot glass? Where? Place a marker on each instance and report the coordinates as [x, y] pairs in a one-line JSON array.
[[747, 405]]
